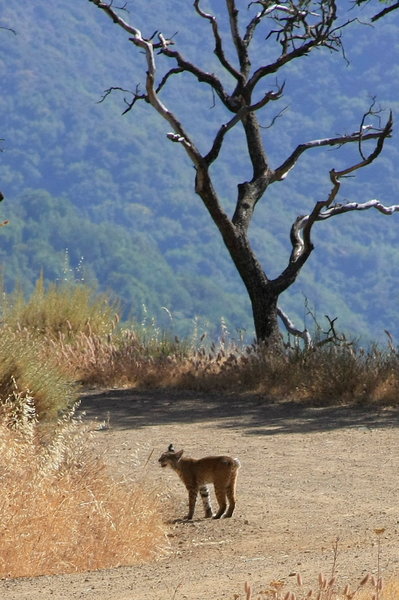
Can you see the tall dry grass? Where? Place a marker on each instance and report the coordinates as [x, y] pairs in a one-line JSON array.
[[326, 375], [60, 510], [78, 337], [59, 309], [24, 365]]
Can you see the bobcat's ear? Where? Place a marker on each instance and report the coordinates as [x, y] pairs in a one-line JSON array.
[[171, 448], [179, 454]]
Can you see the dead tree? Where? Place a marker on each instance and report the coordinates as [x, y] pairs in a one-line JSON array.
[[296, 28]]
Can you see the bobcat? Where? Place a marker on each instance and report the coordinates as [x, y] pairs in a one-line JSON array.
[[196, 473]]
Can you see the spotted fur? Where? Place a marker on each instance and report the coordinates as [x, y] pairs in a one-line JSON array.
[[197, 473]]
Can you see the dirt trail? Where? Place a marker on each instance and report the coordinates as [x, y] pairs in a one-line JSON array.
[[308, 475]]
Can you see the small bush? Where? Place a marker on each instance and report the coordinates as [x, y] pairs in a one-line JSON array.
[[61, 309], [24, 366]]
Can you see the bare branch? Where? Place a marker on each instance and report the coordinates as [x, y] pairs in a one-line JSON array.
[[219, 52], [290, 327], [302, 227], [152, 96], [299, 31], [239, 43], [110, 11], [359, 136], [202, 76], [136, 96], [9, 29], [217, 144], [165, 78], [385, 11], [252, 25], [274, 119]]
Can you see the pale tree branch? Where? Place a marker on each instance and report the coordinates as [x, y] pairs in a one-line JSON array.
[[152, 95], [290, 327], [365, 133], [302, 227]]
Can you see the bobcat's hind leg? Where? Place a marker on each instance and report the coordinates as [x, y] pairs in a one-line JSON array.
[[231, 496], [221, 498], [206, 501]]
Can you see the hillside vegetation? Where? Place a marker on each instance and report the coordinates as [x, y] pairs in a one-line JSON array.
[[89, 189]]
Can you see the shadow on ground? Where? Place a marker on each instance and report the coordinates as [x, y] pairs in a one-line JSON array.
[[130, 409]]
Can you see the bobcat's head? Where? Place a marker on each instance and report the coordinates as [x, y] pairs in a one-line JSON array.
[[170, 458]]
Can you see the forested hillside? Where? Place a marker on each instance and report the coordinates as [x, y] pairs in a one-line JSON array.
[[111, 192]]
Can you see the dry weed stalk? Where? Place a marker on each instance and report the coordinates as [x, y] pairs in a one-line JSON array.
[[370, 587]]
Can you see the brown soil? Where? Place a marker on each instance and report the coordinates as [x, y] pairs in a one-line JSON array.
[[308, 476]]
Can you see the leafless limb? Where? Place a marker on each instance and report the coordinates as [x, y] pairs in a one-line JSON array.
[[299, 31], [151, 95], [325, 209], [219, 138], [9, 29], [384, 12], [290, 327], [363, 127], [251, 27], [274, 119], [166, 77], [358, 136], [136, 96], [201, 76], [219, 52]]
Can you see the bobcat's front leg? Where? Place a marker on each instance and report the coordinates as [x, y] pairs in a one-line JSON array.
[[192, 498], [206, 501]]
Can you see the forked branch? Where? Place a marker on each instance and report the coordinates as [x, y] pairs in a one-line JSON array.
[[325, 209], [365, 133]]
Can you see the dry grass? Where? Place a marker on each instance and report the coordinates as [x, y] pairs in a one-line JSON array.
[[60, 511], [69, 326], [322, 376], [65, 309], [24, 365], [368, 588]]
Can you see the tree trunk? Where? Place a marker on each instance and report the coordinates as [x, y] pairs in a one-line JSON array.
[[264, 310], [262, 292]]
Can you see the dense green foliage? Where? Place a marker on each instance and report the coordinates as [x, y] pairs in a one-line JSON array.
[[114, 192]]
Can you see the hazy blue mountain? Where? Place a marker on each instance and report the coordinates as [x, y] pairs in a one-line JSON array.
[[112, 189]]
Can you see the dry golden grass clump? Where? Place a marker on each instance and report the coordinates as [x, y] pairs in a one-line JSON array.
[[60, 510], [60, 309]]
